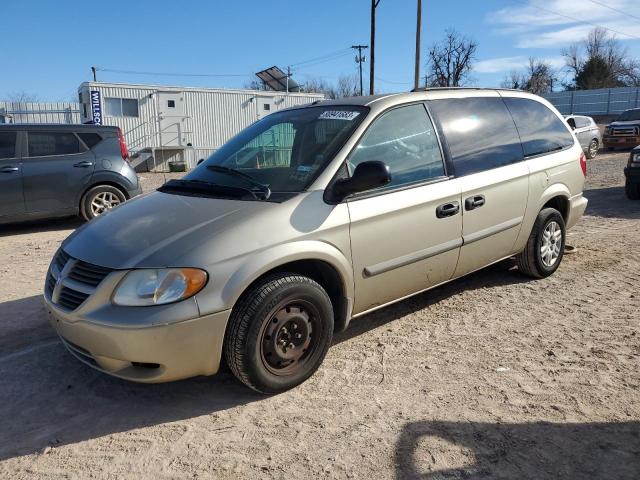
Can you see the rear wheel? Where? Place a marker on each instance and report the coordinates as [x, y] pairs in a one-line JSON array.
[[632, 190], [279, 332], [545, 247], [592, 150], [100, 199]]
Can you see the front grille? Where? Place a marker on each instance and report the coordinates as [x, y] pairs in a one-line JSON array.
[[79, 280], [626, 131], [71, 299], [88, 274]]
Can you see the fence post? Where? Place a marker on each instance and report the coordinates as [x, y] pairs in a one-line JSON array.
[[571, 108], [637, 96], [608, 101]]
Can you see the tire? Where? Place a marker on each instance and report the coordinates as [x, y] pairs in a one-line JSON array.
[[632, 190], [283, 307], [100, 199], [592, 149], [531, 261]]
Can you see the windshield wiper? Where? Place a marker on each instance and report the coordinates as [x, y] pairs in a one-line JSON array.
[[202, 186], [264, 189]]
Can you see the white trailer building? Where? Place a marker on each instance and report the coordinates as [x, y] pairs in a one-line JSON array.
[[167, 124]]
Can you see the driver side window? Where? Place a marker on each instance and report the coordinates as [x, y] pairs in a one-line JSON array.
[[405, 140]]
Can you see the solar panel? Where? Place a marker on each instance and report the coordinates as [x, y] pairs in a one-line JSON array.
[[276, 80]]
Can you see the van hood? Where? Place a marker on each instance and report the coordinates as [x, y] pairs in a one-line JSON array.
[[156, 229], [628, 123]]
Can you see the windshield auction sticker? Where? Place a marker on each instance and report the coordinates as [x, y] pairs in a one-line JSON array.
[[338, 115]]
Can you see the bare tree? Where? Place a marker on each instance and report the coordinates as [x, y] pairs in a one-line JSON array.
[[347, 86], [253, 84], [320, 85], [514, 80], [451, 60], [23, 97], [599, 61]]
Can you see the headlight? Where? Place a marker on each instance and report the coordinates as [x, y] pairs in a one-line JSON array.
[[634, 160], [607, 130], [146, 287]]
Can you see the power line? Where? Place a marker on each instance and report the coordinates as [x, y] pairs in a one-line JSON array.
[[309, 65], [393, 82], [323, 57], [171, 74], [577, 19], [626, 14]]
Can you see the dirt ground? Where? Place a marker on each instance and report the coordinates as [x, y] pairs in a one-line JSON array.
[[491, 376]]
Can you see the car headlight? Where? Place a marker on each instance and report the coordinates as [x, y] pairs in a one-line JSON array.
[[607, 130], [146, 287], [634, 160]]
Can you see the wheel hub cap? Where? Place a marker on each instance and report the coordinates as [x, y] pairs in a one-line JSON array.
[[551, 244], [286, 338], [104, 201]]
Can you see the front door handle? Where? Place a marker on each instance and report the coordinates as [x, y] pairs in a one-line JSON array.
[[9, 169], [474, 202], [84, 164], [447, 209]]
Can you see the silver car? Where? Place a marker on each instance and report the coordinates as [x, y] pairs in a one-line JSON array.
[[309, 218], [587, 132]]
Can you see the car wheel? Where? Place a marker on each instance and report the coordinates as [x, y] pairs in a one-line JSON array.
[[632, 190], [99, 200], [545, 247], [592, 150], [279, 332]]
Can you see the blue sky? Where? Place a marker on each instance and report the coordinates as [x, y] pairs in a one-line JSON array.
[[49, 46]]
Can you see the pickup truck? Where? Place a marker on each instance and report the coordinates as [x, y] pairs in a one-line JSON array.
[[624, 131]]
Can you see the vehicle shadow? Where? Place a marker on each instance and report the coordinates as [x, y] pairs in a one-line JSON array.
[[501, 273], [48, 398], [35, 226], [611, 202], [540, 450]]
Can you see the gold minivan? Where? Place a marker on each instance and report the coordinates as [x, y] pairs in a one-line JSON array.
[[309, 218]]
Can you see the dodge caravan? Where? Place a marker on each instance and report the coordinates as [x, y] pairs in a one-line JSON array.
[[309, 218]]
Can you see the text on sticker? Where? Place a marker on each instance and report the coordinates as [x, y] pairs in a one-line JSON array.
[[338, 115]]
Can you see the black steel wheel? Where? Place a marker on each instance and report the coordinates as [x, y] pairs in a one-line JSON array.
[[279, 332]]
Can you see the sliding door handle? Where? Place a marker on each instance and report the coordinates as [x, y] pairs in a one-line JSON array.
[[474, 202], [9, 169], [447, 209]]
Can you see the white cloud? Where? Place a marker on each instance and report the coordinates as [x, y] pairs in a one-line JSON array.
[[557, 23], [507, 64]]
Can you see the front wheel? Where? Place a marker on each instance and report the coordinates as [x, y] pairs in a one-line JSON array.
[[100, 199], [545, 247], [632, 190], [279, 332]]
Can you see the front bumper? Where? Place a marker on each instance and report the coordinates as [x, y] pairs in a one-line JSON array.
[[618, 141], [577, 206], [149, 354]]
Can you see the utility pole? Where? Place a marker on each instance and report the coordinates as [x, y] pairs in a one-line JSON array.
[[93, 70], [374, 5], [416, 81], [359, 60]]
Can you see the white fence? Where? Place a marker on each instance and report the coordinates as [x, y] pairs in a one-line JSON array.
[[604, 101], [28, 112]]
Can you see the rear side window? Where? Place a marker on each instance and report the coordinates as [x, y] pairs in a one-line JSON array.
[[8, 145], [405, 140], [480, 133], [42, 144], [582, 122], [90, 139], [541, 130]]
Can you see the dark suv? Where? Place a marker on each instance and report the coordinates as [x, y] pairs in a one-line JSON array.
[[632, 175], [60, 170]]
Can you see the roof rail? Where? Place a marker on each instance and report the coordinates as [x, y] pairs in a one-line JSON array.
[[429, 89]]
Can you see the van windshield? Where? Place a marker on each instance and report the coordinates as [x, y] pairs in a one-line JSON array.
[[282, 153], [629, 115]]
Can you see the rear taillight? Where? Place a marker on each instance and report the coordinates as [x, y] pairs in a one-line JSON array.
[[124, 151], [583, 164]]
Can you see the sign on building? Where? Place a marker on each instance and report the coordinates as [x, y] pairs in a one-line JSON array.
[[96, 107]]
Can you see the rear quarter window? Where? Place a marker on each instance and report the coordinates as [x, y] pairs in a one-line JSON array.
[[479, 131], [541, 130], [42, 144], [90, 139]]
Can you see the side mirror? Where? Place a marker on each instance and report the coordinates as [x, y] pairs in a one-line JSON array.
[[367, 176], [200, 161]]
